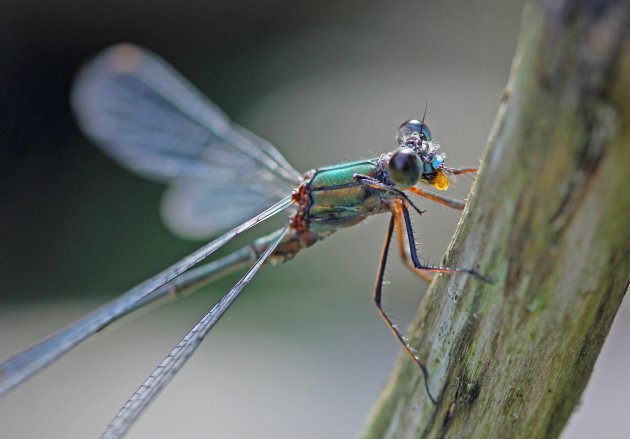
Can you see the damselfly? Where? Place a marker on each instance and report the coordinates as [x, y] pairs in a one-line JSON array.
[[153, 122]]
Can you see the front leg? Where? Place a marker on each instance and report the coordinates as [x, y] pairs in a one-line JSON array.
[[442, 199], [446, 201], [380, 186]]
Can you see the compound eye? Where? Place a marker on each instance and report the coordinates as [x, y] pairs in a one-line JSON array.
[[404, 167], [413, 128]]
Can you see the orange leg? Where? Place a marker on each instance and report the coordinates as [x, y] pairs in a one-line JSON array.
[[402, 250], [447, 201], [459, 171]]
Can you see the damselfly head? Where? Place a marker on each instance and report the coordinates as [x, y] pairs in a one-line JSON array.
[[414, 135]]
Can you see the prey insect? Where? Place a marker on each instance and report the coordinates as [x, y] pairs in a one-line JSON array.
[[221, 176]]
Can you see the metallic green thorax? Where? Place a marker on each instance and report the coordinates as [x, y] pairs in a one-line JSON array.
[[329, 199], [337, 200]]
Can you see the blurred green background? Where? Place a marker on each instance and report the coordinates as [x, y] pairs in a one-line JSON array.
[[303, 354]]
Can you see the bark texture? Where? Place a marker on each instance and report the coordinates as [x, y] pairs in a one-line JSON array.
[[549, 221]]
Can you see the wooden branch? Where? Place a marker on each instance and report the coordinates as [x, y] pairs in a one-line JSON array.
[[549, 221]]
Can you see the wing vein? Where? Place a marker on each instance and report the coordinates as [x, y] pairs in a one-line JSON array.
[[27, 363], [174, 361]]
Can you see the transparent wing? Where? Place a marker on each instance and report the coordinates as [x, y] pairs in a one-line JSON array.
[[153, 122], [199, 210], [174, 361], [24, 365]]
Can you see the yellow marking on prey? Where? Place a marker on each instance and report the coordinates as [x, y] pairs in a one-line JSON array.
[[441, 181]]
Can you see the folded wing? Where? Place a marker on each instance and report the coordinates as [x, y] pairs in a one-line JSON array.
[[153, 122]]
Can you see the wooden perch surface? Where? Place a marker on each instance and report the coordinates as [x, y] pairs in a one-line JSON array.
[[549, 221]]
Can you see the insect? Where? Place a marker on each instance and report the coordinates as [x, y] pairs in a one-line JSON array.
[[153, 122]]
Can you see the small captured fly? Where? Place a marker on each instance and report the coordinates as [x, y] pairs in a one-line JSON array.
[[221, 176]]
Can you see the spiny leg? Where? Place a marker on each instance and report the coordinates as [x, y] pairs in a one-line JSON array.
[[446, 201], [416, 261], [375, 184], [402, 250], [377, 300], [442, 199]]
